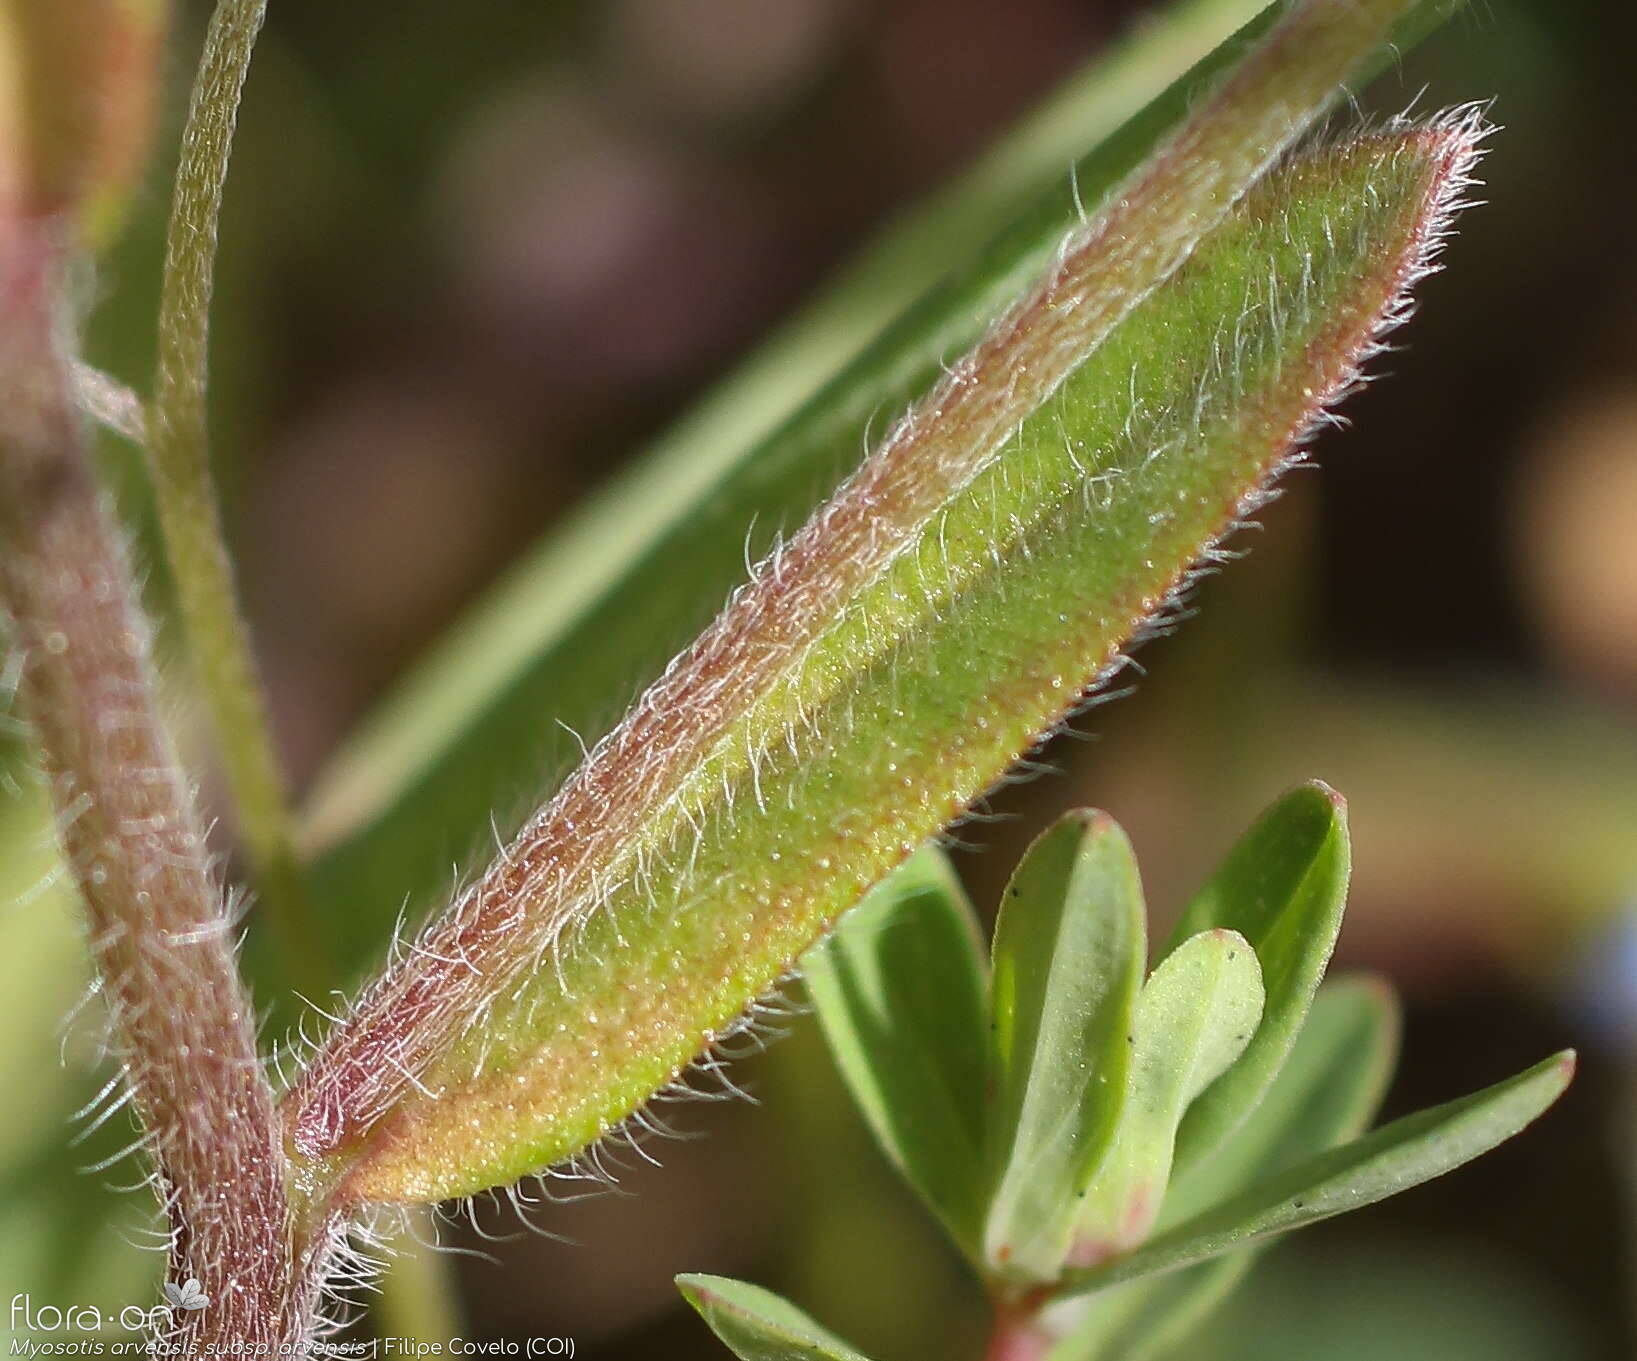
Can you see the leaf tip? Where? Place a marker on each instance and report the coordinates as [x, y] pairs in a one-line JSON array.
[[1099, 828], [1227, 936], [1092, 822], [1334, 797], [694, 1287]]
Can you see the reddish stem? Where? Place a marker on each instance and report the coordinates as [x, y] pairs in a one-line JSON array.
[[159, 932], [1017, 1334]]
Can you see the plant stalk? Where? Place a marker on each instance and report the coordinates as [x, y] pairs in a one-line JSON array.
[[1017, 1335], [179, 462], [160, 932]]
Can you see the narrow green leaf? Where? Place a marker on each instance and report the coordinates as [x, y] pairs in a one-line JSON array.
[[1070, 944], [1327, 1093], [1195, 1016], [900, 991], [641, 566], [1144, 1319], [758, 1325], [1284, 888], [609, 599], [878, 673], [1396, 1157]]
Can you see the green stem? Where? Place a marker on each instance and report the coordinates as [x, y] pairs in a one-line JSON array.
[[179, 461]]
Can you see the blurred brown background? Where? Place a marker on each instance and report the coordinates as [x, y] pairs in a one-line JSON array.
[[474, 255]]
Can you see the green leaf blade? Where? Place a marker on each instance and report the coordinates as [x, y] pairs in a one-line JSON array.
[[757, 1325], [1069, 951], [1284, 888], [870, 682], [1394, 1158], [640, 568], [900, 993], [1144, 1319], [633, 576], [1194, 1017], [1327, 1093]]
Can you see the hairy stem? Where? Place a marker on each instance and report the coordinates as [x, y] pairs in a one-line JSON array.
[[160, 934], [178, 458]]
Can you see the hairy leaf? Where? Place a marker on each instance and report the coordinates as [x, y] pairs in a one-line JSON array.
[[937, 617], [601, 606]]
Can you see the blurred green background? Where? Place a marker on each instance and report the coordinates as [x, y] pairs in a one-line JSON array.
[[474, 256]]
